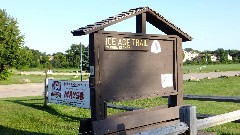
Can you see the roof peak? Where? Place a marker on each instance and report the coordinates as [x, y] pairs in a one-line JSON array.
[[152, 17]]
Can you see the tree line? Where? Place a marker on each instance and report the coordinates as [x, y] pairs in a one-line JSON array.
[[13, 53], [70, 59], [221, 54]]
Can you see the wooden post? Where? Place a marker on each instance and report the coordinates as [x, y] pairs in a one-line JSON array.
[[45, 89], [188, 115], [81, 59], [141, 23]]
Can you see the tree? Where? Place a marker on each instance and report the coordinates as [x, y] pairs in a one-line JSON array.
[[222, 55], [183, 55], [233, 52], [11, 42], [60, 60], [44, 61], [26, 58], [73, 56], [35, 63], [188, 49], [86, 58]]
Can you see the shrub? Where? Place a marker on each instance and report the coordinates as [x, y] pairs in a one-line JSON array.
[[5, 74]]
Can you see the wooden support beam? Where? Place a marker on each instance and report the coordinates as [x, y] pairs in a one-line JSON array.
[[141, 23], [188, 115], [218, 120]]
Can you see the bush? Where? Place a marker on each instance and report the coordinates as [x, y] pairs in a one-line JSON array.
[[5, 74]]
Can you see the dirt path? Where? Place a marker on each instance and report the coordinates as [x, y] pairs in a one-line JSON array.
[[36, 89], [210, 74], [20, 90]]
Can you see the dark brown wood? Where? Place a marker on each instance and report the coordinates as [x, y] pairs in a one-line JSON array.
[[130, 68], [93, 100], [213, 98], [97, 103], [85, 127], [151, 16], [108, 22], [135, 120], [179, 73], [127, 108], [149, 127], [165, 26], [141, 23], [177, 100], [172, 100]]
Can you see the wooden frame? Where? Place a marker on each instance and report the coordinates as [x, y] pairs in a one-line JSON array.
[[118, 70]]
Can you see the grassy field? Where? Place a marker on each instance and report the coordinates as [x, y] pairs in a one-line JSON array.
[[17, 79], [28, 116], [186, 69], [211, 68], [218, 87]]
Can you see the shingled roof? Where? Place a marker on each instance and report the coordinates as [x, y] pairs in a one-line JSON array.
[[152, 17]]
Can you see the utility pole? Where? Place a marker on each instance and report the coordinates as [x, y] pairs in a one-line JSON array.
[[81, 60]]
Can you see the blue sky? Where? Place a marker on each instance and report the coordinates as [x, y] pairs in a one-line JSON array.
[[47, 24]]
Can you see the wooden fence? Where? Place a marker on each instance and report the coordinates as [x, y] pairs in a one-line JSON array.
[[190, 123], [212, 98]]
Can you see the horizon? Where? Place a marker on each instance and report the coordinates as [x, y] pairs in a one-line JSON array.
[[47, 25]]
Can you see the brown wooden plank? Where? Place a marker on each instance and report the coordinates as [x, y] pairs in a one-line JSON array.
[[235, 99], [119, 18], [151, 16], [146, 128], [135, 120], [179, 72], [98, 109], [166, 26]]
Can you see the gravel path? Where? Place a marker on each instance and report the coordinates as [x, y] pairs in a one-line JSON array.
[[36, 89], [210, 74], [20, 90]]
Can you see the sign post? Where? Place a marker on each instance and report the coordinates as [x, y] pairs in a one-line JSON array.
[[81, 60]]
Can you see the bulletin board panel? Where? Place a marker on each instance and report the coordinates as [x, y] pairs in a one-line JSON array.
[[133, 66]]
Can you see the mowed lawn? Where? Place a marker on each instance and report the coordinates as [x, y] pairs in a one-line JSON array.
[[27, 115]]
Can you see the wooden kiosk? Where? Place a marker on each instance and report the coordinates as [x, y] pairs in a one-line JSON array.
[[127, 66]]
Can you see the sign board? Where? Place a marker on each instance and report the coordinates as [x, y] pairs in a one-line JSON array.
[[121, 43], [71, 93], [135, 65]]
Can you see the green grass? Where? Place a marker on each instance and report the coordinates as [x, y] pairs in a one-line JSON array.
[[218, 87], [27, 115], [211, 68], [16, 79]]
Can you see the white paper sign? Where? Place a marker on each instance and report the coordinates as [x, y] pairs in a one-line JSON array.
[[71, 93], [167, 80]]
